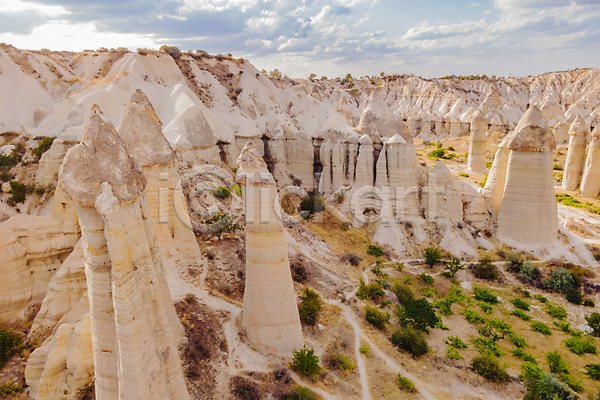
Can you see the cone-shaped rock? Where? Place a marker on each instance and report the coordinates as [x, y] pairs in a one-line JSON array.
[[590, 184], [528, 213], [575, 162], [376, 117], [476, 160], [270, 314]]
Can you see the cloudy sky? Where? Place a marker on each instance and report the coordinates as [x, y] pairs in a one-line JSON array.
[[430, 38]]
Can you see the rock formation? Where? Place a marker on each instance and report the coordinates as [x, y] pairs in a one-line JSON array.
[[134, 327], [528, 213], [493, 191], [575, 162], [476, 158], [270, 314], [590, 184]]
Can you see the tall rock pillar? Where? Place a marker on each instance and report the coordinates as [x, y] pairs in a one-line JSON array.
[[476, 159], [578, 136], [270, 311], [590, 184]]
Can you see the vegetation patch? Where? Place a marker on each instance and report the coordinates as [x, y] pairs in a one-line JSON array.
[[411, 340], [305, 362], [310, 307], [405, 384], [490, 368]]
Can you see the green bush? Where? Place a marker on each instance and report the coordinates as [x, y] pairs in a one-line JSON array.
[[580, 346], [173, 51], [339, 361], [7, 390], [454, 266], [528, 272], [486, 270], [301, 393], [375, 250], [305, 362], [310, 307], [589, 303], [221, 192], [574, 296], [521, 314], [593, 371], [377, 318], [404, 293], [445, 306], [571, 382], [486, 308], [43, 147], [427, 278], [593, 321], [457, 342], [418, 313], [472, 317], [9, 346], [541, 298], [518, 303], [495, 329], [405, 384], [556, 311], [19, 191], [541, 385], [540, 327], [556, 363], [485, 296], [411, 340], [563, 326], [517, 340], [559, 281], [373, 291], [489, 367], [519, 353], [312, 203], [432, 255]]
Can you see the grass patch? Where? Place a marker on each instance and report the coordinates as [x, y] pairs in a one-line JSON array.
[[540, 327], [521, 314], [556, 311], [405, 384], [490, 368], [520, 304], [581, 345], [377, 318], [485, 296]]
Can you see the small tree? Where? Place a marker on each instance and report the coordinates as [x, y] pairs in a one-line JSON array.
[[432, 255], [305, 362], [454, 266], [593, 321], [310, 307], [418, 313]]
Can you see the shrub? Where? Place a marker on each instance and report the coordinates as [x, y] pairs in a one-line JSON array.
[[432, 255], [43, 147], [445, 306], [574, 296], [556, 311], [453, 354], [593, 371], [405, 384], [489, 367], [299, 271], [419, 313], [373, 291], [173, 51], [19, 191], [485, 296], [310, 307], [411, 340], [556, 363], [593, 321], [517, 340], [589, 303], [495, 329], [404, 293], [339, 361], [541, 385], [528, 273], [541, 298], [454, 266], [364, 349], [222, 222], [521, 314], [305, 362], [374, 250], [221, 192], [559, 281], [427, 278], [377, 318], [472, 317], [352, 259], [486, 270], [540, 327], [563, 326], [7, 390], [571, 382], [244, 389], [519, 353], [518, 303], [142, 52], [581, 346], [9, 346], [301, 393], [312, 203]]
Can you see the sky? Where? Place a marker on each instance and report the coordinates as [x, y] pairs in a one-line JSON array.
[[429, 38]]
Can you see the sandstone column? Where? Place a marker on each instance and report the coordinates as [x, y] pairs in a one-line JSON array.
[[574, 165], [590, 184], [133, 340], [270, 311], [476, 159], [528, 213]]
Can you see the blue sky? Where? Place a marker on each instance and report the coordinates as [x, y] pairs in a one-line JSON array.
[[430, 38]]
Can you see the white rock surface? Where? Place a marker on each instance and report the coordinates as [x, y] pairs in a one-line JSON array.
[[575, 163], [477, 149], [590, 184]]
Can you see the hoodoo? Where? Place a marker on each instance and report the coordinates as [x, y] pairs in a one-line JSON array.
[[270, 311], [590, 184], [528, 213], [133, 338], [575, 163], [476, 160]]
